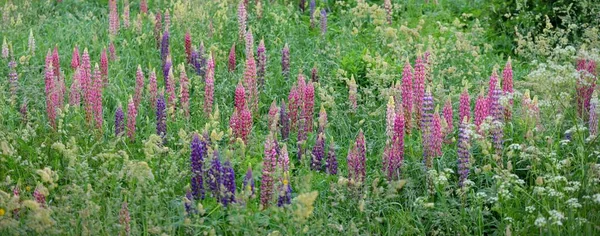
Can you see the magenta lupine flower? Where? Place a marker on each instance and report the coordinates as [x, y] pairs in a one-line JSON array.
[[294, 105], [352, 162], [352, 93], [97, 97], [39, 197], [309, 104], [161, 117], [318, 153], [435, 140], [124, 218], [419, 89], [272, 120], [112, 52], [56, 62], [152, 88], [231, 64], [481, 110], [464, 107], [139, 86], [228, 184], [285, 61], [119, 124], [269, 164], [492, 85], [249, 44], [113, 17], [390, 117], [242, 18], [157, 28], [164, 46], [314, 74], [387, 5], [50, 90], [585, 84], [104, 66], [322, 120], [241, 119], [407, 94], [464, 151], [188, 45], [497, 115], [126, 14], [13, 78], [75, 58], [171, 95], [312, 7], [331, 164], [209, 87], [250, 83], [131, 119], [284, 121], [86, 85], [197, 156], [214, 177], [448, 118], [75, 90], [144, 6], [360, 157], [507, 88], [393, 155], [594, 110], [239, 97], [59, 83], [184, 90], [261, 62]]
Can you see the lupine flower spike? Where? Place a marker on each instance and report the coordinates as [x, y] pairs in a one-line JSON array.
[[448, 118], [285, 193], [157, 28], [152, 88], [269, 164], [352, 94], [331, 164], [86, 84], [144, 6], [75, 61], [214, 177], [197, 157], [31, 42], [318, 153], [464, 108], [285, 61], [75, 90], [323, 22], [242, 18], [125, 218], [273, 117], [228, 196], [507, 88], [50, 90], [481, 109], [284, 121], [171, 95], [126, 13], [139, 86], [249, 44], [131, 119], [113, 17], [261, 62], [209, 87], [161, 117], [112, 52], [435, 140], [314, 74], [390, 118], [188, 46], [419, 89], [104, 66], [464, 151], [393, 155], [426, 119], [498, 116], [119, 122], [5, 50], [250, 83], [585, 84], [97, 97], [231, 62], [184, 90], [387, 5], [308, 109], [407, 94], [248, 183], [312, 8]]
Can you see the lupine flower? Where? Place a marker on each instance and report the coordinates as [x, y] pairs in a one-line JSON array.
[[464, 152], [231, 64], [530, 111], [249, 44], [352, 93], [497, 115], [157, 28], [188, 203], [75, 58], [387, 5], [250, 83], [314, 74], [323, 22], [285, 193], [161, 117], [152, 88], [585, 84], [357, 159], [39, 197], [228, 184], [113, 17], [240, 96], [242, 18], [284, 159], [5, 51], [294, 105], [269, 163], [144, 6], [241, 119], [419, 89], [119, 124], [318, 153], [166, 69], [448, 118], [407, 94], [184, 90], [301, 138], [594, 111], [13, 78], [481, 109], [97, 97], [197, 156], [273, 116], [124, 218], [214, 177], [331, 164], [507, 87], [56, 62], [285, 121], [322, 119], [50, 90], [201, 69], [393, 155], [492, 85], [131, 119], [31, 42], [112, 53], [86, 84], [104, 66], [75, 90], [188, 45], [312, 7], [209, 87], [164, 46], [126, 13], [390, 118], [248, 183], [261, 62], [139, 86], [171, 96], [285, 61], [435, 140], [309, 104], [426, 118], [167, 20], [23, 111], [464, 108]]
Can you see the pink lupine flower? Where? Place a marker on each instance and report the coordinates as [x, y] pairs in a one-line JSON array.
[[56, 62], [152, 88], [246, 118], [448, 118], [131, 119], [242, 18], [249, 44], [464, 151], [352, 162], [419, 89], [407, 94], [492, 85], [241, 119], [435, 140], [113, 17], [49, 79], [104, 66], [167, 20], [352, 93], [231, 64], [112, 53], [85, 78], [261, 62], [23, 111], [318, 153], [126, 13], [239, 98], [269, 164], [250, 83], [586, 84], [322, 119], [294, 104], [464, 108], [507, 87], [390, 117], [75, 91], [184, 90], [144, 6], [171, 95], [481, 109], [157, 29], [75, 58], [209, 88], [139, 86], [357, 159], [188, 46], [273, 116], [393, 155], [97, 97], [309, 104]]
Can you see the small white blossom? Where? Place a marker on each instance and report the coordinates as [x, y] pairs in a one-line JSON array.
[[596, 198], [573, 203], [540, 221], [557, 217], [530, 209]]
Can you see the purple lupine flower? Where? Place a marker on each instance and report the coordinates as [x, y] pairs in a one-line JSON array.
[[261, 62], [214, 177], [312, 7], [166, 68], [164, 46], [188, 203], [497, 113], [360, 155], [199, 152], [285, 193], [201, 69], [228, 196], [284, 121], [331, 164], [463, 150], [249, 181], [195, 61], [119, 124], [285, 61], [323, 22], [426, 118], [318, 153], [161, 117]]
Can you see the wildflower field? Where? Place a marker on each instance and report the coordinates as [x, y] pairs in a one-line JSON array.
[[299, 117]]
